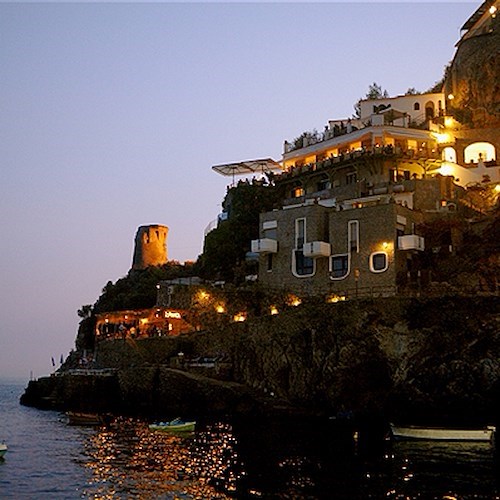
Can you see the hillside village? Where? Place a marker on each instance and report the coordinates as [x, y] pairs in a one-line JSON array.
[[400, 200], [321, 279]]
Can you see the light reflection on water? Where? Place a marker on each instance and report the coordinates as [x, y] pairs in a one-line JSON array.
[[127, 458], [245, 458], [259, 460]]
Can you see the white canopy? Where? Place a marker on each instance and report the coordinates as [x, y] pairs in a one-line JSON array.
[[248, 167]]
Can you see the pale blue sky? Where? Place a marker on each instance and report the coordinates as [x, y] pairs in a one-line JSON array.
[[113, 113]]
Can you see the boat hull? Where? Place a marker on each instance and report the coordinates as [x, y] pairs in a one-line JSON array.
[[183, 427], [79, 418], [442, 434], [3, 449]]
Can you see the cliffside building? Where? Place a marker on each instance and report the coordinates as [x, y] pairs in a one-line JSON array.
[[353, 198]]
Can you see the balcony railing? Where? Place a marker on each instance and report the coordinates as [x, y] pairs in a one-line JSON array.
[[411, 242], [264, 245], [316, 249]]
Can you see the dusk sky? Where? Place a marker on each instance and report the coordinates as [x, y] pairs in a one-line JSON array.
[[112, 115]]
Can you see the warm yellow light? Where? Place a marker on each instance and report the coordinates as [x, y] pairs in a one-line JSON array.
[[273, 310], [220, 308], [497, 188], [333, 299], [106, 320], [446, 169], [144, 321], [294, 301], [493, 10], [385, 246], [451, 97], [442, 138], [448, 121], [240, 317]]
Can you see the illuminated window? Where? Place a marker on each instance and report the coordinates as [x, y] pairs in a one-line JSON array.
[[378, 262], [449, 154], [298, 192], [483, 150], [354, 236], [339, 266]]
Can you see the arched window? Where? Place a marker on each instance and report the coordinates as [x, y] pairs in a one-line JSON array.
[[449, 154], [485, 149], [429, 110], [416, 106]]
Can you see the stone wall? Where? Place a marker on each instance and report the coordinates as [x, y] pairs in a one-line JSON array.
[[150, 246], [433, 360]]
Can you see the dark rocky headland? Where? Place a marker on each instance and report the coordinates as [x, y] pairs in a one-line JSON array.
[[418, 360]]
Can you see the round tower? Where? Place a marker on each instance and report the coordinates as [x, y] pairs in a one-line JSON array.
[[150, 246]]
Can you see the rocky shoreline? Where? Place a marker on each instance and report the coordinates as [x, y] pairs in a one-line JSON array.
[[414, 360]]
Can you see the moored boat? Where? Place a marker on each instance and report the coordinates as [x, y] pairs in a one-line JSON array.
[[176, 425], [442, 433], [81, 418], [3, 449]]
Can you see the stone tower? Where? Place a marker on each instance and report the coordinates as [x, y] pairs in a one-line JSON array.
[[150, 246]]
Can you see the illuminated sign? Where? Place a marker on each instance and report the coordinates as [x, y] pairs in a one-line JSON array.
[[173, 315]]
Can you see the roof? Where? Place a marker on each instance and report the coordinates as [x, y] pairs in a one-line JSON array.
[[261, 166], [477, 15]]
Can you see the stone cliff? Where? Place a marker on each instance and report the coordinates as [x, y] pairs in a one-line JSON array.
[[473, 77], [411, 359]]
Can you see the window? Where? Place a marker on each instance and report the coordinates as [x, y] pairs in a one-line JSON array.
[[269, 262], [324, 184], [449, 154], [339, 266], [298, 192], [304, 266], [270, 233], [354, 236], [378, 262], [351, 178], [300, 233], [416, 106], [301, 265]]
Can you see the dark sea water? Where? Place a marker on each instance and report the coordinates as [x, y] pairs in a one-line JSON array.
[[48, 459]]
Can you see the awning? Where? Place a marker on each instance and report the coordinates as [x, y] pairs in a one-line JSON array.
[[246, 167]]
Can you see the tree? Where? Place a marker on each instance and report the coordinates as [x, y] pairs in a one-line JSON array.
[[375, 91], [412, 91], [85, 311]]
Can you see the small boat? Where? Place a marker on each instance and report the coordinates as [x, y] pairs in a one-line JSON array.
[[176, 425], [3, 449], [80, 418], [442, 433]]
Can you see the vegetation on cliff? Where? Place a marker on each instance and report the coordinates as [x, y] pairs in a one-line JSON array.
[[226, 246]]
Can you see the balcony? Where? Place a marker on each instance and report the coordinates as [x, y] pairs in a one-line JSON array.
[[264, 245], [411, 242], [316, 249]]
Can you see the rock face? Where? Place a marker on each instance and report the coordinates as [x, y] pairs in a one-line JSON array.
[[433, 360], [474, 75]]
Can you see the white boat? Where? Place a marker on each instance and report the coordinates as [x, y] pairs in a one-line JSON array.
[[442, 433], [3, 449]]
